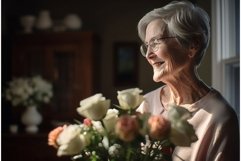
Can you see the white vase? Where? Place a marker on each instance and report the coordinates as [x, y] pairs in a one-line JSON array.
[[44, 20], [27, 22], [31, 118], [72, 22]]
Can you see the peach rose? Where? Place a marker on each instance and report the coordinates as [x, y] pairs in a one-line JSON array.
[[159, 127], [53, 135], [127, 128]]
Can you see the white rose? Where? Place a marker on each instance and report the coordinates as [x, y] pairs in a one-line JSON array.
[[182, 132], [98, 127], [19, 91], [129, 98], [94, 107], [105, 142], [41, 85], [110, 119], [70, 141], [178, 113]]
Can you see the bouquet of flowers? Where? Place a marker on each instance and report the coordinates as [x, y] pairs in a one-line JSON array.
[[28, 91], [120, 133]]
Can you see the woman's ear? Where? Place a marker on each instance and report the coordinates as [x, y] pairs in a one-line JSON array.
[[192, 52], [193, 49]]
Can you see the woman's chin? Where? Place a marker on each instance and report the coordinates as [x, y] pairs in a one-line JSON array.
[[157, 76]]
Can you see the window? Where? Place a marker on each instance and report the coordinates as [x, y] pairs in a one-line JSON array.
[[226, 50]]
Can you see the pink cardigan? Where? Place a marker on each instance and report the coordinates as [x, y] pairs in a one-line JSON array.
[[216, 126]]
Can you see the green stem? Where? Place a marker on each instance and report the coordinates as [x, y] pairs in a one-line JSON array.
[[129, 151], [129, 111]]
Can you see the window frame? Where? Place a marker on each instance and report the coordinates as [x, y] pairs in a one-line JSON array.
[[225, 48]]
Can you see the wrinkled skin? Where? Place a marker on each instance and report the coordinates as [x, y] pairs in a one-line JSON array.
[[175, 66]]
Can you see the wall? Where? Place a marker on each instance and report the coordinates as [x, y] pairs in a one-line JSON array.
[[113, 21]]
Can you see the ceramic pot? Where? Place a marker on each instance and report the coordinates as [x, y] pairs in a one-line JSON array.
[[72, 22], [44, 20], [27, 22], [31, 118]]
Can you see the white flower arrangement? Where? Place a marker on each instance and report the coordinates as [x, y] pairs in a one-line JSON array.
[[31, 91], [120, 133]]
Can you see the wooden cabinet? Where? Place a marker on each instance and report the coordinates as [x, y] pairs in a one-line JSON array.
[[28, 147], [68, 60]]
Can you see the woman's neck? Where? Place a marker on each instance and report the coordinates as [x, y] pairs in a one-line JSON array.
[[186, 88]]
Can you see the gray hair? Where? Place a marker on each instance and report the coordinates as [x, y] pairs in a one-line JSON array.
[[189, 23]]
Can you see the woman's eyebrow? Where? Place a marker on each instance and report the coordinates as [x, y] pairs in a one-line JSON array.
[[153, 38]]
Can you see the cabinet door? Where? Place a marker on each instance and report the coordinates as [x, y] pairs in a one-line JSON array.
[[65, 60], [71, 72]]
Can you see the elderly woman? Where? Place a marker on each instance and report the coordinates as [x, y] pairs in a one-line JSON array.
[[175, 38]]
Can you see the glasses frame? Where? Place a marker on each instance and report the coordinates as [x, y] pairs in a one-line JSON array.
[[153, 45]]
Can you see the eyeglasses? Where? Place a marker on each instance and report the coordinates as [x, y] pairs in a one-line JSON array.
[[154, 44]]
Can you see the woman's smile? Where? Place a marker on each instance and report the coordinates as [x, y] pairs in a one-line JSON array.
[[158, 64]]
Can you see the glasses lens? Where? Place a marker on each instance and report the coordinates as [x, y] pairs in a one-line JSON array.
[[154, 46], [143, 50]]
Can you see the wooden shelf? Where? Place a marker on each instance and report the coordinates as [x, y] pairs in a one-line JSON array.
[[28, 147]]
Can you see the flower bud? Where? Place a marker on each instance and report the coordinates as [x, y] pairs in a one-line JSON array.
[[111, 119], [129, 98], [94, 107]]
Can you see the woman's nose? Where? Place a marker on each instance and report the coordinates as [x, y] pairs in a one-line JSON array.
[[149, 53]]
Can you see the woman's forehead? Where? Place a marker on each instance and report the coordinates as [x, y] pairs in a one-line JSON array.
[[155, 28]]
